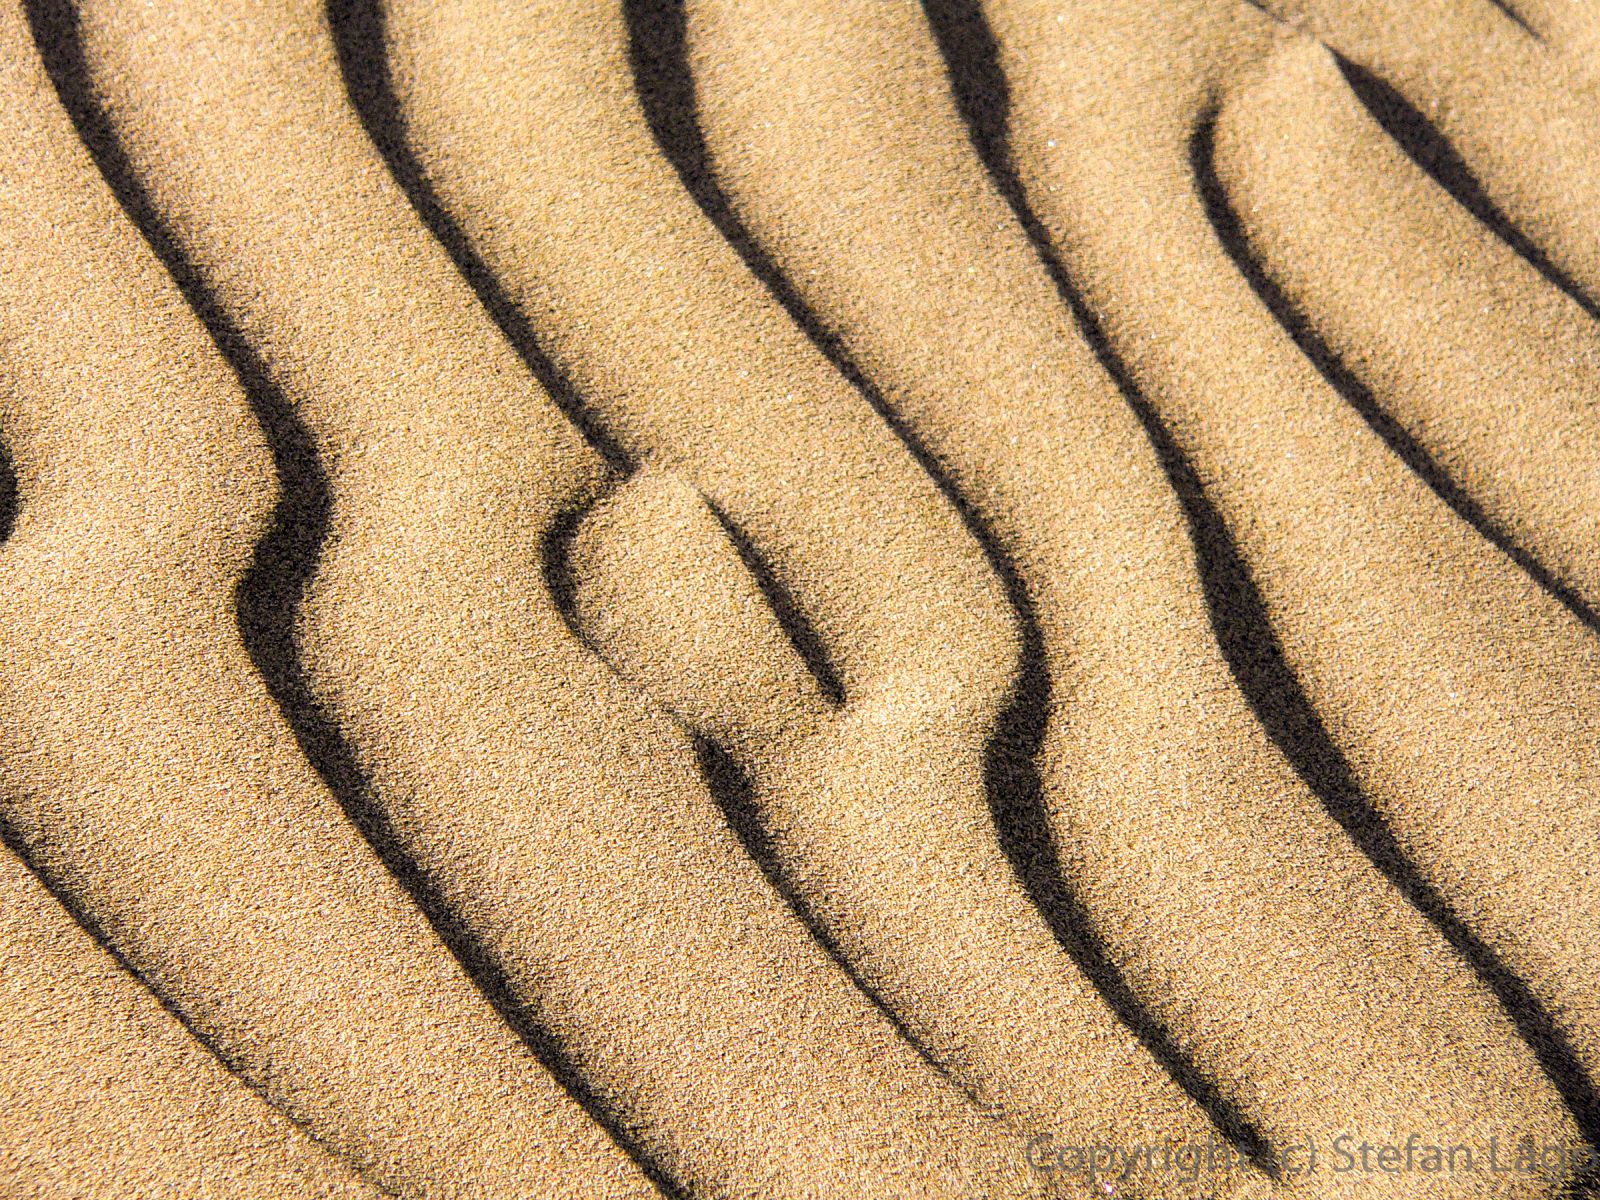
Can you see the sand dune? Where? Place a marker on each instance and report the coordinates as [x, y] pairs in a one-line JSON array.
[[790, 600]]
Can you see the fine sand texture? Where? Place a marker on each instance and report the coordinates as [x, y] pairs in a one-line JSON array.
[[800, 599]]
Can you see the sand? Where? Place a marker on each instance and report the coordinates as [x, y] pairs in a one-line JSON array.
[[797, 600]]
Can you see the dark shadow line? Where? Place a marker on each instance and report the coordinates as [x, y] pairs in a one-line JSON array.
[[666, 91], [358, 28], [53, 28], [1517, 19], [9, 502], [359, 33], [54, 25], [555, 567], [1236, 242], [1504, 6], [269, 593], [13, 841], [983, 97], [734, 794], [796, 625], [1289, 715], [1433, 153], [1237, 611]]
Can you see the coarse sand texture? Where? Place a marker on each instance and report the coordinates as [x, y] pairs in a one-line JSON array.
[[800, 599]]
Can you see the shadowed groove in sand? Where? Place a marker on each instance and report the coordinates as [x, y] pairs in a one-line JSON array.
[[1432, 152], [1236, 241], [54, 25], [802, 634], [735, 795], [358, 28], [269, 594], [8, 493], [1327, 771], [555, 567], [1237, 611], [1518, 19], [666, 91], [12, 841], [358, 32]]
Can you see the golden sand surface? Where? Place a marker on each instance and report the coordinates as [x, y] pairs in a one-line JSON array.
[[800, 599]]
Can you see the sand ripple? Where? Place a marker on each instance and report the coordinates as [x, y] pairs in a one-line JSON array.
[[790, 600]]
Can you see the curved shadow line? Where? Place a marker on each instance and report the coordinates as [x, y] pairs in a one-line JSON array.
[[358, 27], [359, 40], [666, 90], [555, 568], [16, 844], [1410, 452], [9, 503], [1238, 614], [1517, 19], [51, 38], [1236, 242], [734, 794], [269, 593], [1292, 721], [54, 25], [802, 635], [1433, 153]]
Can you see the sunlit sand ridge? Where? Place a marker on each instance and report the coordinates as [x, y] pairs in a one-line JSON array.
[[797, 600]]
